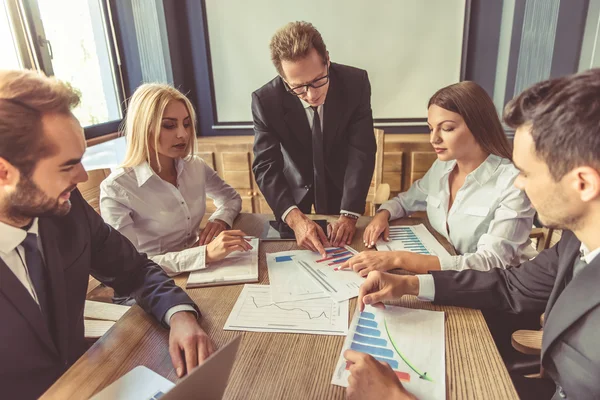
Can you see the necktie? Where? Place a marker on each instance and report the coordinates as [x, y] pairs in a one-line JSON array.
[[37, 271], [318, 164], [578, 265]]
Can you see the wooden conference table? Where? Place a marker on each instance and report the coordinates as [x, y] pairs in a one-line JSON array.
[[281, 365]]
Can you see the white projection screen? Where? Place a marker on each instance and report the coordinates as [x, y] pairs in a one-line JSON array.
[[410, 48]]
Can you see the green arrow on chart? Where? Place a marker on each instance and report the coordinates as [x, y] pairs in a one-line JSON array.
[[421, 375]]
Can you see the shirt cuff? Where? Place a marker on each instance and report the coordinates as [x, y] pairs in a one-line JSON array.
[[396, 211], [426, 287], [174, 310], [449, 263], [285, 214], [350, 212]]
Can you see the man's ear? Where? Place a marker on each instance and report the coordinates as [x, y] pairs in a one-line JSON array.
[[9, 174], [328, 60], [587, 183]]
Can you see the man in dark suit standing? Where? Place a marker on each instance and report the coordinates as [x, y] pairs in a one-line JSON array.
[[557, 150], [314, 141], [51, 240]]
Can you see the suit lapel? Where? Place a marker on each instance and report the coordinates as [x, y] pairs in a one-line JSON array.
[[335, 104], [20, 298], [296, 120], [566, 307], [54, 262]]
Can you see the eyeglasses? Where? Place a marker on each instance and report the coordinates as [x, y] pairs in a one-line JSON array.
[[302, 89]]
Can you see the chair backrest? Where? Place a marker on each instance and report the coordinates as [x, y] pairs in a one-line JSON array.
[[546, 237], [378, 171], [90, 189]]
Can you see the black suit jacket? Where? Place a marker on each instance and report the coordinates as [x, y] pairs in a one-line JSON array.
[[283, 165], [33, 356], [570, 345]]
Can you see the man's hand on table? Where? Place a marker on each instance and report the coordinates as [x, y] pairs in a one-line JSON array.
[[309, 235], [341, 232], [372, 379], [381, 286], [189, 345]]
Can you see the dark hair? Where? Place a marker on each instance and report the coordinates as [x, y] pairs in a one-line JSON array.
[[294, 41], [24, 97], [564, 114], [472, 102]]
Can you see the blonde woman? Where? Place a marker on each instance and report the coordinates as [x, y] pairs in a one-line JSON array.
[[468, 192], [157, 198]]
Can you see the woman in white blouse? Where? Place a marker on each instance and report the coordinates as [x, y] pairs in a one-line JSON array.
[[468, 192], [157, 198]]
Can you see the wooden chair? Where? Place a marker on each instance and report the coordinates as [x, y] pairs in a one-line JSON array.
[[545, 238], [379, 192], [90, 189]]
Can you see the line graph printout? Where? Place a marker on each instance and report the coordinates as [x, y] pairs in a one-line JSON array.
[[338, 284], [254, 311], [410, 341], [414, 238], [288, 281]]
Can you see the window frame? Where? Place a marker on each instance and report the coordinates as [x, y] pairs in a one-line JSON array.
[[35, 52]]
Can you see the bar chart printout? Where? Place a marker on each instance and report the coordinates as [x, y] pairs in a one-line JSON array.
[[414, 238], [410, 341], [338, 284], [255, 311]]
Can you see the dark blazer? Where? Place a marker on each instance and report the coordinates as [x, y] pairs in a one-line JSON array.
[[283, 165], [33, 355], [570, 345]]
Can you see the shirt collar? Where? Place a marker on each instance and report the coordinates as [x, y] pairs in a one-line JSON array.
[[588, 256], [143, 172], [482, 173], [306, 105], [11, 237]]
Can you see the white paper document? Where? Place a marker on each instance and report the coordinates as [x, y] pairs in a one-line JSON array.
[[338, 284], [237, 267], [408, 340], [254, 311], [288, 281], [414, 238]]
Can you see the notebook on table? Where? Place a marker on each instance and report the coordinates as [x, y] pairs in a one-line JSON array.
[[237, 267]]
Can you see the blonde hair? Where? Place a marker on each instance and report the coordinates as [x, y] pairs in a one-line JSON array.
[[144, 118], [25, 96], [293, 42]]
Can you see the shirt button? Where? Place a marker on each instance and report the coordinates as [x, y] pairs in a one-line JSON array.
[[188, 217], [182, 202]]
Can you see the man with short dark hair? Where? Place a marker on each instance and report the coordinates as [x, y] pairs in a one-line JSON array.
[[51, 240], [557, 150], [314, 143]]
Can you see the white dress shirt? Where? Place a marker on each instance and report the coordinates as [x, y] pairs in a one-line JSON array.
[[13, 255], [490, 219], [310, 114], [427, 285], [162, 220]]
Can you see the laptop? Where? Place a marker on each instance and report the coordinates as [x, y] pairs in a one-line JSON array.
[[207, 381]]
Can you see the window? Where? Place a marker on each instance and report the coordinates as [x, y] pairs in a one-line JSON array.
[[72, 40]]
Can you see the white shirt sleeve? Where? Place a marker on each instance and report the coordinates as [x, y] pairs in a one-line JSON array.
[[506, 238], [285, 214], [426, 287], [414, 199], [227, 200], [175, 309], [116, 212]]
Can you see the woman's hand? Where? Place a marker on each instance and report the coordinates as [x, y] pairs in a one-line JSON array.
[[379, 225]]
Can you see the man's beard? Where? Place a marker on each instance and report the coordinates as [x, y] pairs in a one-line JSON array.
[[29, 201]]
